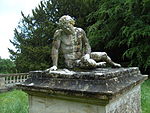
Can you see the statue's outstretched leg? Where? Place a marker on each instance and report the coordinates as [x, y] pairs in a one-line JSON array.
[[102, 56]]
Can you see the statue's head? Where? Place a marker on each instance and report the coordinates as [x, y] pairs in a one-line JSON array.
[[66, 19], [66, 23]]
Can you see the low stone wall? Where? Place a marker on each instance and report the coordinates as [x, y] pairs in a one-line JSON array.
[[9, 81]]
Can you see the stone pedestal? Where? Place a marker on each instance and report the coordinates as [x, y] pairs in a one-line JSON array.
[[103, 90]]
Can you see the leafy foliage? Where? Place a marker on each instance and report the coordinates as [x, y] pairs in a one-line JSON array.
[[6, 66], [124, 26]]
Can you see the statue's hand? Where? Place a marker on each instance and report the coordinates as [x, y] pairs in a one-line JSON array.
[[87, 62], [53, 68], [85, 58]]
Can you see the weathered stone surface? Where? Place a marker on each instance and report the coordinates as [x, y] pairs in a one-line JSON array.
[[8, 81], [2, 82], [128, 102], [53, 105], [102, 83], [102, 90]]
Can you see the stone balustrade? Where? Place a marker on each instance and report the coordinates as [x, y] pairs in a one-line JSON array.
[[8, 81]]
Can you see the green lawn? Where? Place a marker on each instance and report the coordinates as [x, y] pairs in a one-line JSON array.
[[14, 102], [17, 102], [146, 96]]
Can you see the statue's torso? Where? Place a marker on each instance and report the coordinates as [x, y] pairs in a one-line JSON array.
[[72, 46]]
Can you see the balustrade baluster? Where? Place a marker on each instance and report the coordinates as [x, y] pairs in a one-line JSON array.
[[24, 78], [14, 79], [11, 79], [17, 78], [6, 80], [21, 78]]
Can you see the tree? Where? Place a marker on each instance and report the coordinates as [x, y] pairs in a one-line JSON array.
[[34, 34], [6, 66], [122, 28]]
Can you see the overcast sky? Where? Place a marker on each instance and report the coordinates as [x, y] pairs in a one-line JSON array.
[[10, 14]]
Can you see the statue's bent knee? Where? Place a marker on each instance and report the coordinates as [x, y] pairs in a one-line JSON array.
[[97, 56]]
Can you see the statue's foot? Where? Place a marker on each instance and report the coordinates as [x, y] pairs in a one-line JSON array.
[[117, 65], [101, 64]]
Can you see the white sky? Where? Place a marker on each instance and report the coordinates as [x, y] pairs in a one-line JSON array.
[[10, 14]]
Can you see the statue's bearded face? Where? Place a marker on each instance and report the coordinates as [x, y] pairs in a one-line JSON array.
[[67, 24]]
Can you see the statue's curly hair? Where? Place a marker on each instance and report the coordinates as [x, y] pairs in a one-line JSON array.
[[66, 19]]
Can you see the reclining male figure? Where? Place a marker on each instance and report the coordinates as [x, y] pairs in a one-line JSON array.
[[73, 43]]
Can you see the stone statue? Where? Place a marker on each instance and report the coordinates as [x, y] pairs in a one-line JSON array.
[[73, 43]]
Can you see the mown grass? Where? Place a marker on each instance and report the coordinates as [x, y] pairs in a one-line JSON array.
[[14, 102], [17, 102], [145, 97]]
